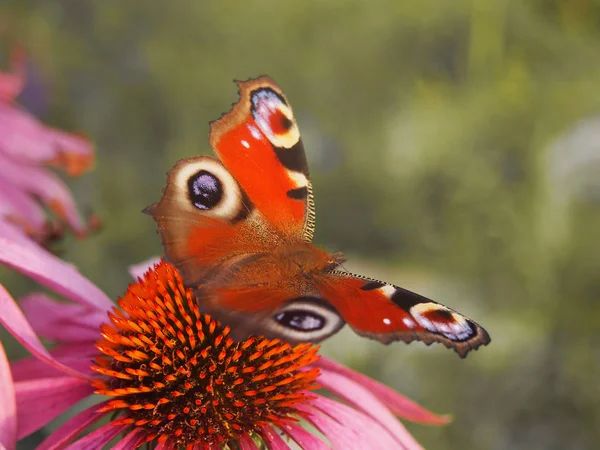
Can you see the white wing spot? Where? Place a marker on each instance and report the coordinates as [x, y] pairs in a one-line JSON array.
[[298, 178], [409, 322], [388, 290], [245, 143], [387, 321], [254, 132]]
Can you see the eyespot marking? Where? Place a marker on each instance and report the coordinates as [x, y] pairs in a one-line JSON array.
[[307, 319], [274, 117], [301, 320], [203, 185], [438, 319], [205, 190], [286, 123]]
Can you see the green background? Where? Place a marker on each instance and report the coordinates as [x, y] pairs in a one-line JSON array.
[[453, 150]]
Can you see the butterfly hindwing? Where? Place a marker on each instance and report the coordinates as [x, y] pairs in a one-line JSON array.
[[282, 312]]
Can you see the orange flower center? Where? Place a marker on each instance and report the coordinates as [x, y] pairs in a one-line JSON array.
[[177, 373]]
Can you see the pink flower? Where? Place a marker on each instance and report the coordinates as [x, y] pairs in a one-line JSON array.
[[172, 374], [27, 147]]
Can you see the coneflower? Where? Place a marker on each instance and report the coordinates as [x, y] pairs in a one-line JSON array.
[[168, 375]]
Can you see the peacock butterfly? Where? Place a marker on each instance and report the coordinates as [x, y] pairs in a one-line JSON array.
[[239, 229]]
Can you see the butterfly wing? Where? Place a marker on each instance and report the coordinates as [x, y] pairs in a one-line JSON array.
[[206, 221], [390, 313], [259, 142], [215, 214], [312, 311]]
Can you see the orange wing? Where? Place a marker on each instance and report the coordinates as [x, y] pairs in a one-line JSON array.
[[216, 214], [390, 313], [259, 142]]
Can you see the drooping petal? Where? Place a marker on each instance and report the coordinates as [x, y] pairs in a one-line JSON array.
[[246, 443], [303, 438], [132, 440], [398, 404], [46, 185], [22, 136], [368, 403], [20, 208], [71, 429], [11, 232], [273, 439], [26, 140], [76, 356], [138, 270], [10, 86], [8, 406], [15, 323], [39, 401], [62, 322], [346, 427], [98, 438], [50, 271], [74, 154]]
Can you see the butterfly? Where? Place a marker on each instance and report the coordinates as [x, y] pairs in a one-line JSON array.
[[239, 228]]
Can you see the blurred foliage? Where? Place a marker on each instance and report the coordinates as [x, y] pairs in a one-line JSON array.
[[427, 126]]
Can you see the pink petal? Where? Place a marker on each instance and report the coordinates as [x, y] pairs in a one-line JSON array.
[[8, 409], [17, 234], [303, 438], [273, 439], [74, 153], [98, 438], [24, 139], [137, 271], [71, 429], [21, 208], [46, 185], [10, 86], [398, 404], [15, 323], [78, 357], [246, 443], [22, 136], [60, 321], [132, 440], [364, 400], [50, 271], [39, 401], [346, 427]]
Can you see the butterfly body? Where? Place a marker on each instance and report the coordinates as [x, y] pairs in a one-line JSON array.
[[239, 228]]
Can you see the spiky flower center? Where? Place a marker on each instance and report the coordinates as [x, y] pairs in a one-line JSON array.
[[177, 373]]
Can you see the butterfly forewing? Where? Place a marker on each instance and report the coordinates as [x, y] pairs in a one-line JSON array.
[[390, 313], [259, 142]]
